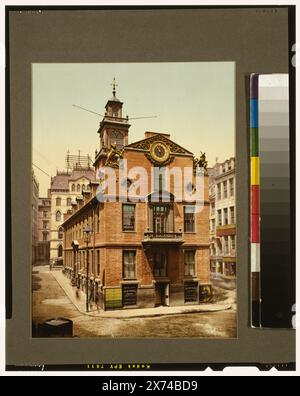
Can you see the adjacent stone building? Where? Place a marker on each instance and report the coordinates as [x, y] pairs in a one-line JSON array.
[[44, 218], [65, 187], [148, 246], [34, 217], [223, 218]]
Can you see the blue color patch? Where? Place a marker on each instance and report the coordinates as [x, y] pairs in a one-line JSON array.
[[254, 113]]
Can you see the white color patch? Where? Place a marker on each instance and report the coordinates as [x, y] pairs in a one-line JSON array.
[[255, 257]]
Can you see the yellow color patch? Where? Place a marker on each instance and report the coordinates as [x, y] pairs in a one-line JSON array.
[[255, 171]]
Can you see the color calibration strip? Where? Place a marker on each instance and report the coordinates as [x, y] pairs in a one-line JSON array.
[[271, 266], [274, 185], [255, 205]]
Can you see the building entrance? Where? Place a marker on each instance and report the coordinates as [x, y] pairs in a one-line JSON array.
[[161, 294]]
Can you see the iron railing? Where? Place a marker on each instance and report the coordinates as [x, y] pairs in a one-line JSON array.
[[163, 235]]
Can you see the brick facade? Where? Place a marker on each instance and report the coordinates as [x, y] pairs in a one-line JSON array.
[[146, 265]]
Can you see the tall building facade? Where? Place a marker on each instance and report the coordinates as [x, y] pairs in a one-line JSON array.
[[65, 187], [44, 218], [34, 216], [223, 218], [147, 247]]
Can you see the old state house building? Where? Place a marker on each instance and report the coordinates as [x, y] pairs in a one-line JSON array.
[[146, 251]]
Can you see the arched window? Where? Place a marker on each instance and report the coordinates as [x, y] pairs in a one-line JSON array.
[[83, 187], [118, 138], [58, 201], [69, 201], [60, 233], [58, 216], [59, 251], [73, 187], [78, 187]]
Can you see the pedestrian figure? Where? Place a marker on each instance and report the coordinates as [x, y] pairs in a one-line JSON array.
[[97, 297], [91, 292]]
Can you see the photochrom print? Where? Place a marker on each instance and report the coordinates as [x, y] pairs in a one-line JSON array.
[[133, 200]]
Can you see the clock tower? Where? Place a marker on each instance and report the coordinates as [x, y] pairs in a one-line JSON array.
[[113, 129]]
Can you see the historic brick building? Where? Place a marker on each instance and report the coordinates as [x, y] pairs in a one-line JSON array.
[[148, 246]]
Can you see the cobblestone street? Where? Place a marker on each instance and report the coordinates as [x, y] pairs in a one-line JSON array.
[[50, 300]]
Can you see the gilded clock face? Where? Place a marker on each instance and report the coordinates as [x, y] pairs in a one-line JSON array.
[[159, 152]]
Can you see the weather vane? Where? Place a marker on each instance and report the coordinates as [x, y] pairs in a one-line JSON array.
[[114, 85]]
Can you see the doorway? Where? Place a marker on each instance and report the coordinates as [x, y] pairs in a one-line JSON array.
[[161, 294]]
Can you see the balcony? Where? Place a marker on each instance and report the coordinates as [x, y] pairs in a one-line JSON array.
[[226, 230], [172, 238], [115, 119]]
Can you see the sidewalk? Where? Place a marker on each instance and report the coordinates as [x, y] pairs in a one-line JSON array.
[[77, 297]]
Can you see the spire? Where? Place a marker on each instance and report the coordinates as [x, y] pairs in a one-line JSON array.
[[114, 85], [114, 105]]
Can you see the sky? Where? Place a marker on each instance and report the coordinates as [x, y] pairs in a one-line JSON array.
[[194, 102]]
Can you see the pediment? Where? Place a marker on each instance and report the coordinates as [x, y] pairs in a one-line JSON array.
[[145, 144]]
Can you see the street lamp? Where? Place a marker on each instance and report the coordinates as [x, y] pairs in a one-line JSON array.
[[87, 237]]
